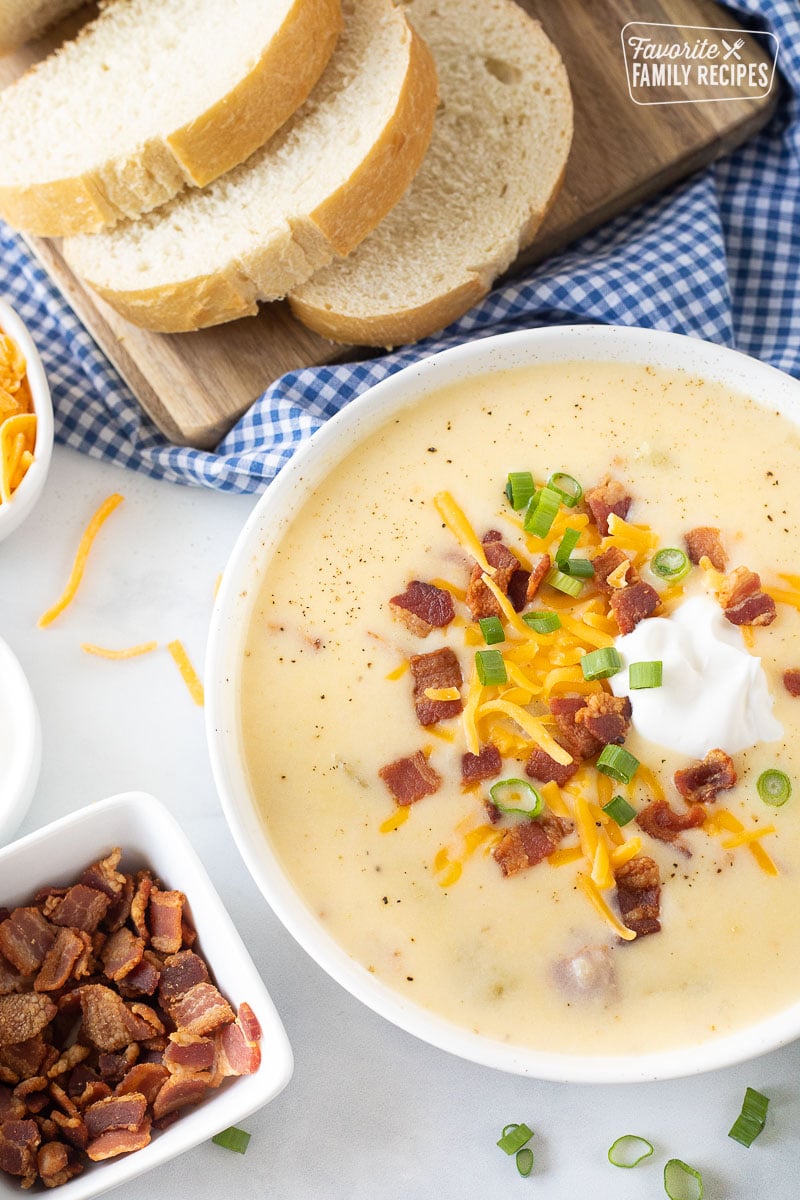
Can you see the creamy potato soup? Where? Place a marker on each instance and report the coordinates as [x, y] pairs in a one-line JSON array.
[[436, 897]]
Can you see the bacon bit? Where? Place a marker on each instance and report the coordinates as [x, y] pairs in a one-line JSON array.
[[701, 782], [104, 876], [575, 738], [544, 768], [607, 564], [439, 669], [71, 1057], [19, 1141], [632, 604], [608, 497], [238, 1050], [118, 655], [410, 779], [142, 980], [528, 844], [82, 908], [540, 565], [201, 1010], [423, 607], [119, 1141], [139, 903], [791, 681], [60, 961], [606, 717], [188, 1052], [705, 542], [10, 980], [122, 952], [165, 914], [146, 1078], [664, 824], [743, 601], [76, 575], [485, 765], [25, 938], [115, 1112], [113, 1067], [120, 907], [504, 563], [107, 1022], [179, 1091], [70, 1128], [188, 673], [21, 1060], [23, 1016], [180, 973], [55, 1164], [639, 895]]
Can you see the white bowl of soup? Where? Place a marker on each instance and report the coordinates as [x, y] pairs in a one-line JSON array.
[[622, 906]]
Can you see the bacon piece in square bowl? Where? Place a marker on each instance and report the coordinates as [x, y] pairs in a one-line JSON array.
[[82, 908], [165, 916], [25, 938], [19, 1141], [423, 607], [23, 1016], [410, 779], [432, 673], [60, 961]]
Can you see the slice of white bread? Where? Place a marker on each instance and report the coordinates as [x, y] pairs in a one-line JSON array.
[[495, 164], [23, 20], [315, 190], [152, 95]]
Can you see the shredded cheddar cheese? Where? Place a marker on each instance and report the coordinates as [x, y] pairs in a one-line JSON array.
[[462, 531], [589, 889], [747, 837], [533, 726], [79, 565], [444, 585], [398, 818], [563, 858], [398, 671], [624, 853], [17, 419], [507, 609], [129, 652], [188, 673], [445, 693], [782, 596]]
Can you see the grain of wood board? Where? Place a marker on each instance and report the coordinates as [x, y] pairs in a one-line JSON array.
[[196, 385]]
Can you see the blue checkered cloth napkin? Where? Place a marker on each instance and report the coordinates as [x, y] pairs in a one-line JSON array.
[[718, 257]]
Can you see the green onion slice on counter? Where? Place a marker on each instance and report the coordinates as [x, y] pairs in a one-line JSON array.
[[567, 584], [629, 1150], [569, 488], [517, 796], [543, 620], [541, 512], [620, 811], [524, 1161], [492, 630], [618, 763], [774, 787], [601, 664], [520, 488], [232, 1139], [578, 568], [514, 1137], [671, 564], [646, 674], [490, 667], [682, 1182], [751, 1119], [565, 547]]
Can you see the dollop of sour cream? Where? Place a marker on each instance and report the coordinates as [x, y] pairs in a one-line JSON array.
[[714, 693]]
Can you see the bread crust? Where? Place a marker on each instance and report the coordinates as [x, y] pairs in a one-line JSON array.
[[335, 227], [231, 129], [406, 325]]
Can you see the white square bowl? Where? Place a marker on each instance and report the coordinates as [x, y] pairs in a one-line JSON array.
[[151, 837]]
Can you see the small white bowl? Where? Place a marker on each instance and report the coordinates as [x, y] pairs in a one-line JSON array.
[[15, 510], [150, 836], [230, 622], [20, 744]]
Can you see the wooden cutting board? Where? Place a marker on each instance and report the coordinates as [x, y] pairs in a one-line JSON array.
[[196, 385]]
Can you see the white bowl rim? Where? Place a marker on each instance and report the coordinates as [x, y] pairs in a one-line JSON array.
[[585, 342], [13, 513], [26, 756]]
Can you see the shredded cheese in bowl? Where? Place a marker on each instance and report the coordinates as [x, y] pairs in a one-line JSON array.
[[17, 419]]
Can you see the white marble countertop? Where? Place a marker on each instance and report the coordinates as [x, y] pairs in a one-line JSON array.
[[371, 1113]]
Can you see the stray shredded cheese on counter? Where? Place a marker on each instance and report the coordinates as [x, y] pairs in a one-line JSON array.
[[130, 652], [76, 575], [188, 673]]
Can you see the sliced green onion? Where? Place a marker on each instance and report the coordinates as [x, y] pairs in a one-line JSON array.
[[232, 1139], [517, 796], [563, 583], [751, 1119], [616, 762], [541, 512], [682, 1182], [579, 568], [492, 630], [601, 664], [543, 620], [620, 811], [525, 1161], [490, 667], [567, 544], [514, 1138], [520, 488], [774, 787], [629, 1150], [671, 564], [646, 674], [571, 491]]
